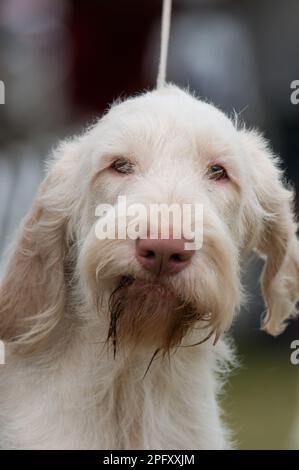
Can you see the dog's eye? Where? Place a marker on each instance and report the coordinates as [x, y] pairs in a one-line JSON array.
[[121, 165], [217, 172]]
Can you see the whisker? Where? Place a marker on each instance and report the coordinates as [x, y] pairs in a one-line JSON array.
[[150, 362]]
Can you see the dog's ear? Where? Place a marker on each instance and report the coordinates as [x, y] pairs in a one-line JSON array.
[[32, 292], [272, 226]]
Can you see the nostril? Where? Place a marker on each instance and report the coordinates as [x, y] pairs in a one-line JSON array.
[[145, 252], [181, 257], [177, 257]]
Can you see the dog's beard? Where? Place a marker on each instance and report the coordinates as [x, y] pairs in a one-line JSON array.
[[151, 313], [163, 313]]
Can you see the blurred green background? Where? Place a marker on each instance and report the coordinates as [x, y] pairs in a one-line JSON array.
[[261, 400]]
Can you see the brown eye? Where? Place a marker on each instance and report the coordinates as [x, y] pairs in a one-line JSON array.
[[121, 165], [217, 172]]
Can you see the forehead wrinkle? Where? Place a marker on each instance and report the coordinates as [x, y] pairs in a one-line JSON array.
[[156, 126], [150, 134]]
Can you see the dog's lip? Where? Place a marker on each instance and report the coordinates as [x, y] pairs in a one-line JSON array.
[[153, 284], [157, 282], [128, 279]]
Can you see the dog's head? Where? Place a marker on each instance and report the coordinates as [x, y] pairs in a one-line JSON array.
[[163, 147]]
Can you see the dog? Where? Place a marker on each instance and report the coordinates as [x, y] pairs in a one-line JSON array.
[[121, 343]]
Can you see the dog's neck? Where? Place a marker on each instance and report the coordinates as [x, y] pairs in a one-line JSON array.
[[112, 397]]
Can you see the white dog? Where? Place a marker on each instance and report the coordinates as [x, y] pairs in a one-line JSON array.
[[102, 336]]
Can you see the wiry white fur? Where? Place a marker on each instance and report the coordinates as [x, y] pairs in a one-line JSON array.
[[61, 387]]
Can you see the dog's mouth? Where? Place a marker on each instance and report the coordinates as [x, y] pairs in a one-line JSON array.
[[151, 313]]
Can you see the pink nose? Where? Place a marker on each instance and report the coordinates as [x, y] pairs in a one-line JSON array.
[[163, 256]]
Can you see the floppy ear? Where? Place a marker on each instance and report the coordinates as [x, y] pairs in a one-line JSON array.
[[32, 292], [273, 233]]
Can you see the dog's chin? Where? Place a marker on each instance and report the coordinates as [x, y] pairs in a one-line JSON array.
[[150, 313]]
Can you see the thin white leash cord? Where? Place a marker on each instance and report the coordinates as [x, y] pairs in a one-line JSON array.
[[165, 29]]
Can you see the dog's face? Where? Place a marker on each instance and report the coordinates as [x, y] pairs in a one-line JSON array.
[[164, 147], [167, 148]]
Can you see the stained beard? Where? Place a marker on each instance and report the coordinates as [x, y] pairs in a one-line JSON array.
[[150, 313]]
